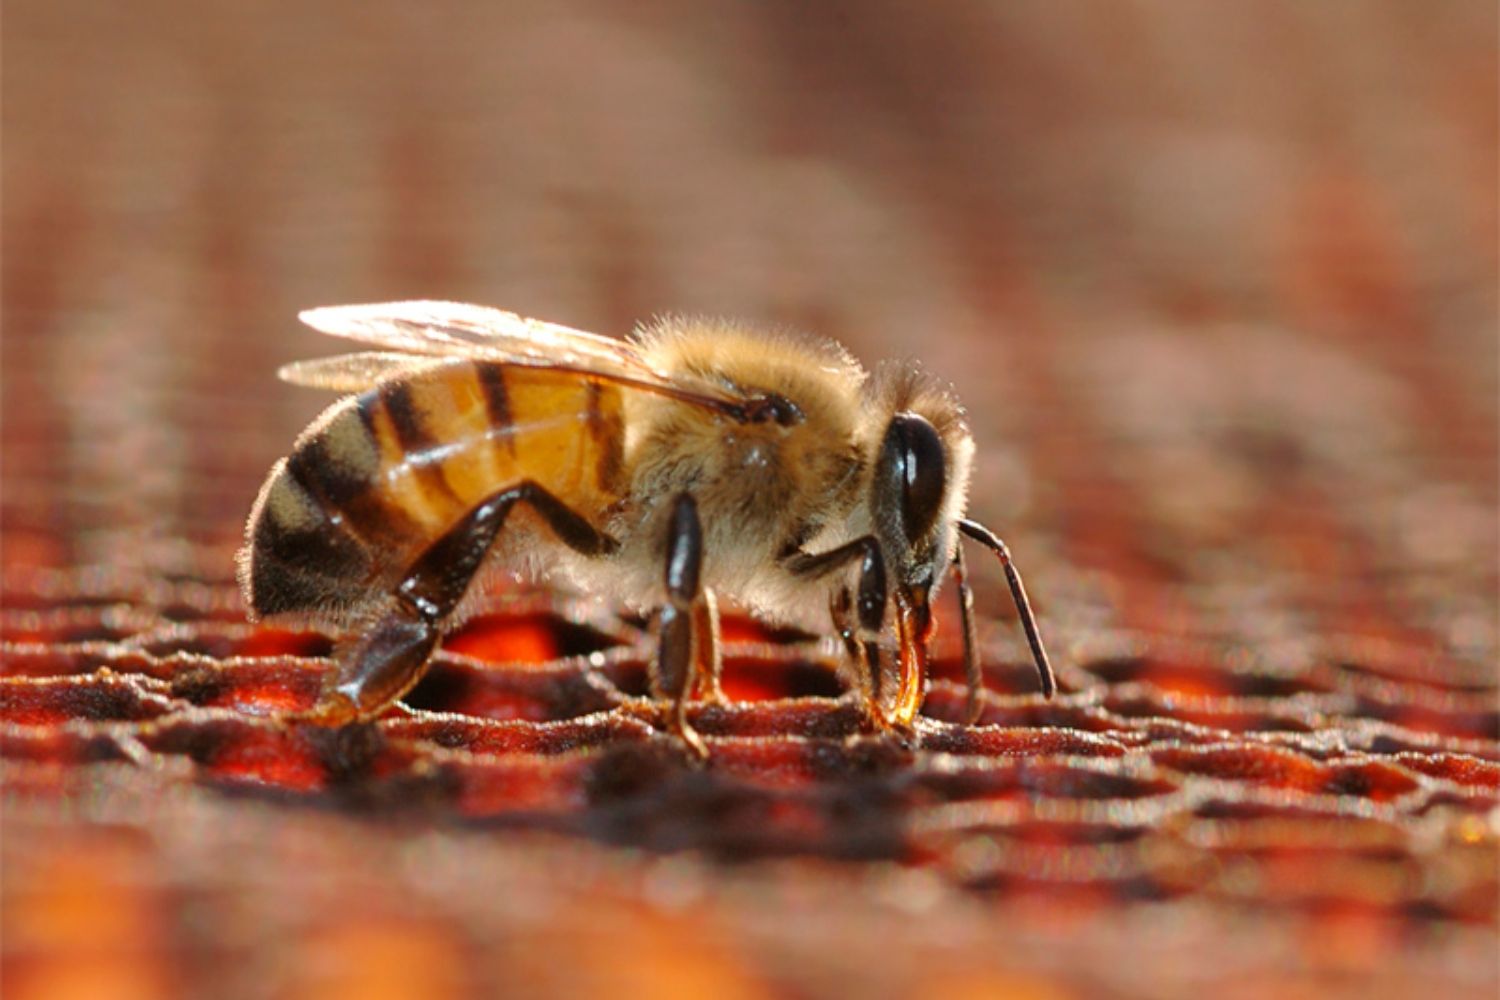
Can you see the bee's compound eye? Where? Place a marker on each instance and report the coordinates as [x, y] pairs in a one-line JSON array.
[[913, 463]]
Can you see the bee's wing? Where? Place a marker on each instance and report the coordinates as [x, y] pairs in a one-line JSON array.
[[453, 329], [352, 372]]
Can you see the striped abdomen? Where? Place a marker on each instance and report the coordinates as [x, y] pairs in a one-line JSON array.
[[380, 476]]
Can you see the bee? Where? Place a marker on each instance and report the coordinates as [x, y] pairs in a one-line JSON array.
[[699, 458]]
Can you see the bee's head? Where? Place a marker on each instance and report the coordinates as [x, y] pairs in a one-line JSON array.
[[921, 482]]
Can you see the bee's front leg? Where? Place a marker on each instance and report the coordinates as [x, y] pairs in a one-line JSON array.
[[841, 613], [869, 610], [973, 670], [862, 650], [679, 651]]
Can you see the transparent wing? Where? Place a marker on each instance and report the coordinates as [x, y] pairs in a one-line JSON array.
[[456, 329], [352, 372]]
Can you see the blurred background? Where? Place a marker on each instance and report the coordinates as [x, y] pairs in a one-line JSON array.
[[1217, 283]]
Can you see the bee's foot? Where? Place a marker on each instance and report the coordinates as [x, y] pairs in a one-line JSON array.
[[872, 721], [905, 736], [880, 723], [680, 727], [333, 708], [693, 742]]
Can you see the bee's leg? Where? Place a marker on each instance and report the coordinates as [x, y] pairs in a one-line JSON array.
[[379, 668], [841, 611], [862, 657], [391, 657], [869, 606], [677, 654], [710, 654], [973, 670]]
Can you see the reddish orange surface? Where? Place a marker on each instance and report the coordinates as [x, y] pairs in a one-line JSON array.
[[1217, 284]]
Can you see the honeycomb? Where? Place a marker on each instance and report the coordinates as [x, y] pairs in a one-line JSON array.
[[1240, 434], [1156, 774]]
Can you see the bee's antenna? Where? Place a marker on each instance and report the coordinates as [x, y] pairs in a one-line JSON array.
[[984, 536]]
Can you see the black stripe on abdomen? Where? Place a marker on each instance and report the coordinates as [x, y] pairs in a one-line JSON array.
[[340, 466], [607, 435], [496, 392], [301, 554], [414, 435], [411, 428]]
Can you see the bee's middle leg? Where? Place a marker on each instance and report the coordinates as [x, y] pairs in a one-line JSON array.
[[390, 657], [710, 657], [680, 643]]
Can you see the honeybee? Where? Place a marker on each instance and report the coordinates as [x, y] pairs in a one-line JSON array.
[[698, 458]]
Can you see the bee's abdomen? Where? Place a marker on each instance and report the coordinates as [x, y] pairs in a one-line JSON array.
[[298, 553], [380, 476]]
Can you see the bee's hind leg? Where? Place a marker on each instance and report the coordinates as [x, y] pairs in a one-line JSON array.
[[374, 671], [679, 653], [391, 656]]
